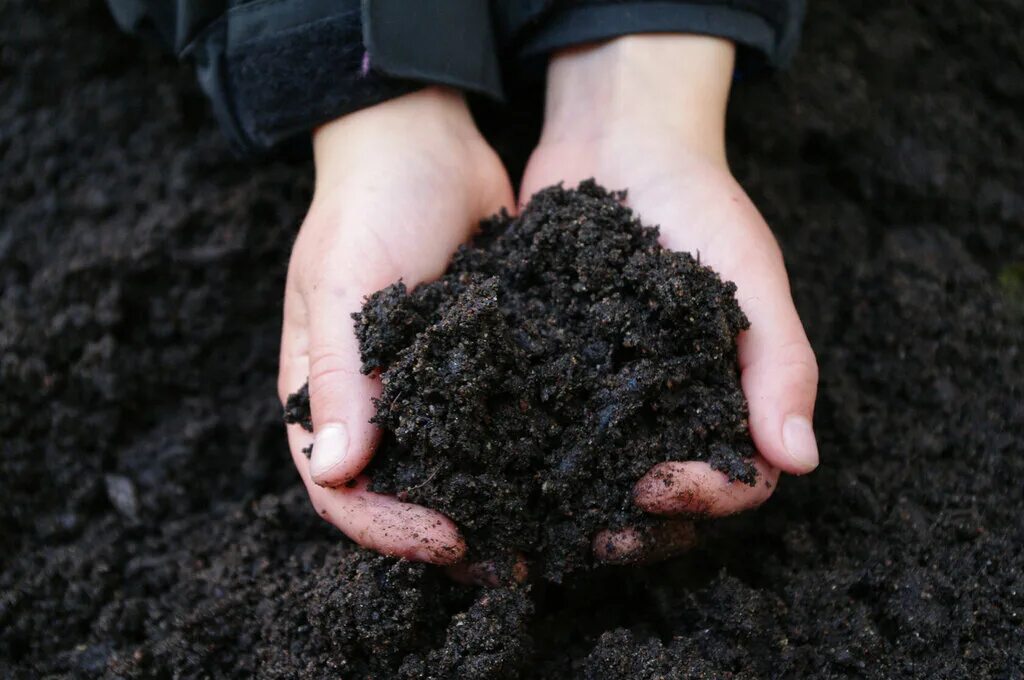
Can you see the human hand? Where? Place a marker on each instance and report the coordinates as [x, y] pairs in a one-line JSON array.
[[647, 114], [398, 187]]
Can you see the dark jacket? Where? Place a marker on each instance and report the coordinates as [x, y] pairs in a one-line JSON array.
[[273, 69]]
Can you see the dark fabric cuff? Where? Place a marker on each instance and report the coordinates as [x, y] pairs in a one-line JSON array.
[[445, 42], [274, 70], [769, 31]]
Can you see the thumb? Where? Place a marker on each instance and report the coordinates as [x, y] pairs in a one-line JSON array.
[[780, 379], [340, 396]]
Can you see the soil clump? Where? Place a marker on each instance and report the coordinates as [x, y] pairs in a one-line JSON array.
[[562, 354]]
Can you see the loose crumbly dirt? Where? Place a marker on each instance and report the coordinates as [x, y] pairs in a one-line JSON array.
[[152, 524]]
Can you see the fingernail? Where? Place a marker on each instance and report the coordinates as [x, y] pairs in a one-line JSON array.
[[330, 449], [798, 438]]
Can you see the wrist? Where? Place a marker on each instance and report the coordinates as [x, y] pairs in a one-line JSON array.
[[431, 116], [675, 87]]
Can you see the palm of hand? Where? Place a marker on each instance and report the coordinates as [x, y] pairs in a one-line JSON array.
[[701, 209]]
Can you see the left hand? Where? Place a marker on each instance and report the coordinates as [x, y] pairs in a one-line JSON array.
[[647, 114], [399, 186]]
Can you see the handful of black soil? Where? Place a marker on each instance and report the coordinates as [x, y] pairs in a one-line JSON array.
[[562, 354]]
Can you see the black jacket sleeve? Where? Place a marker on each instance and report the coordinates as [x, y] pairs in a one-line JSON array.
[[767, 31], [274, 69]]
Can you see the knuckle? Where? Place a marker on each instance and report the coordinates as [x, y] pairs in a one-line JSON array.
[[798, 359], [326, 368]]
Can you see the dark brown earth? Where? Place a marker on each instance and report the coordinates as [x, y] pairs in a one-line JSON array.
[[562, 354], [152, 525]]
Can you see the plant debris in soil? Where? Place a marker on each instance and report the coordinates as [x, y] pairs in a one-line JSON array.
[[153, 525], [562, 354]]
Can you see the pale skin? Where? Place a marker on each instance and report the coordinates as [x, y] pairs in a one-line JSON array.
[[400, 185]]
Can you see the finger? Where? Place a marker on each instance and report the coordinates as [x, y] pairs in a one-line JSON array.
[[779, 372], [644, 545], [490, 573], [694, 488], [375, 521], [293, 361], [380, 522], [780, 379], [340, 396], [293, 367]]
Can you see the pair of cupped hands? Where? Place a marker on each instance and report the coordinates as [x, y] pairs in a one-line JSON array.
[[401, 184]]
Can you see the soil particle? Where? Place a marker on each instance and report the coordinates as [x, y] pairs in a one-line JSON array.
[[121, 492]]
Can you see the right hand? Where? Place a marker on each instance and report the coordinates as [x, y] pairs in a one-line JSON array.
[[646, 113], [398, 187]]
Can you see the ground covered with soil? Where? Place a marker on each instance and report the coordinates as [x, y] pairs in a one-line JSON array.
[[561, 356], [153, 526]]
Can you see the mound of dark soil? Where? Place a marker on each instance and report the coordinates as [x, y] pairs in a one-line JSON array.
[[152, 524], [561, 355]]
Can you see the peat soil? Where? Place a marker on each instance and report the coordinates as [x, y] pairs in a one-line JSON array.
[[152, 526]]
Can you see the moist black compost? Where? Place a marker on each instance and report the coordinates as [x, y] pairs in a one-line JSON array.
[[152, 524], [562, 354]]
